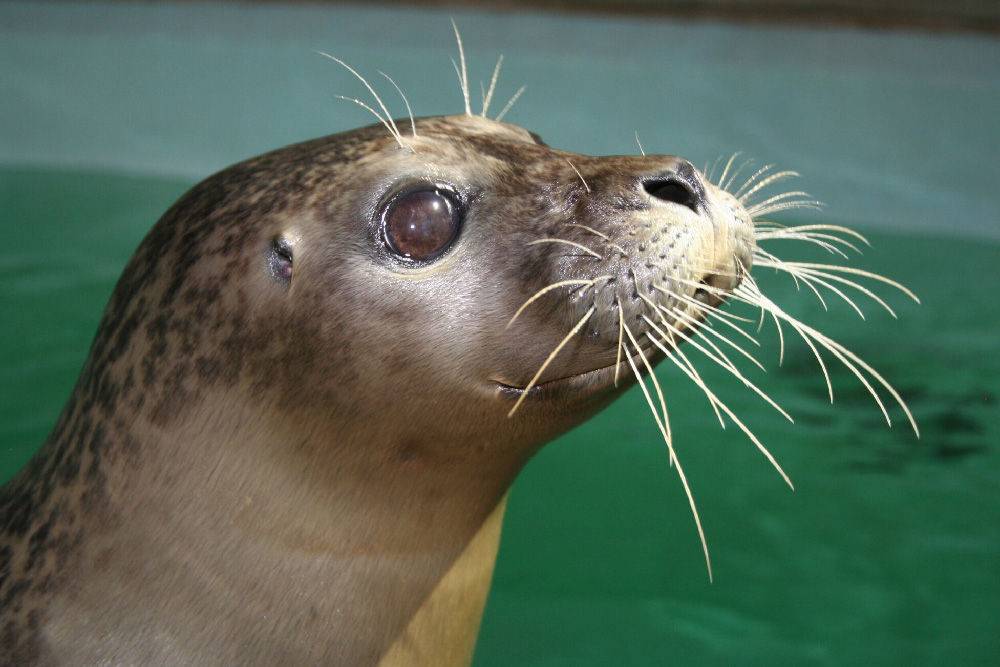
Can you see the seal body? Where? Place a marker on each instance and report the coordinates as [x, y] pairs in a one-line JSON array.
[[292, 439]]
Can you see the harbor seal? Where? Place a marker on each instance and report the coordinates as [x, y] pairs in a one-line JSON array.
[[320, 373]]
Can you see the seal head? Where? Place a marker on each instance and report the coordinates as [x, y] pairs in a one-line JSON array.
[[293, 436]]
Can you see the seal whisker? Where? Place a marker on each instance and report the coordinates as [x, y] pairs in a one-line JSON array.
[[753, 177], [399, 139], [720, 316], [544, 290], [828, 242], [582, 179], [463, 76], [548, 360], [747, 298], [761, 260], [722, 360], [851, 361], [785, 197], [727, 186], [822, 279], [766, 230], [725, 171], [591, 230], [570, 243], [760, 209], [710, 289], [694, 377], [682, 361], [743, 195], [824, 269], [639, 144], [664, 424], [510, 104], [409, 111], [387, 119], [709, 171], [700, 331], [665, 430], [607, 240], [488, 96], [621, 335]]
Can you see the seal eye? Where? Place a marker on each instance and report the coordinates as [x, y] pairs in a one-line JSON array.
[[421, 225]]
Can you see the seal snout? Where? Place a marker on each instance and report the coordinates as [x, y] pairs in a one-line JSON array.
[[654, 247]]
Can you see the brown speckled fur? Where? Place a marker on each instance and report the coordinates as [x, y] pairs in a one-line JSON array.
[[197, 333]]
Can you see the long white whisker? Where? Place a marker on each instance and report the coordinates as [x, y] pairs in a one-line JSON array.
[[770, 180], [824, 241], [665, 430], [548, 360], [808, 266], [822, 278], [621, 336], [387, 118], [589, 229], [493, 84], [757, 210], [392, 131], [681, 360], [782, 197], [728, 186], [569, 243], [736, 420], [747, 292], [562, 283], [701, 330], [409, 111], [582, 179], [850, 360], [725, 171], [463, 75], [738, 194], [710, 171], [781, 229], [508, 106], [721, 315], [799, 280], [722, 361]]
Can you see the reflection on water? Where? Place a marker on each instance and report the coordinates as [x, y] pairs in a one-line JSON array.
[[887, 552]]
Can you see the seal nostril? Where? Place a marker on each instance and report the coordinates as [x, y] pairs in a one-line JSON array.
[[673, 190]]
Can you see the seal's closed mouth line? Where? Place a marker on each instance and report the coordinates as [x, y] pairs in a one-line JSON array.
[[507, 388], [624, 370]]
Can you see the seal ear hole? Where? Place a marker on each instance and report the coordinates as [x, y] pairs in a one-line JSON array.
[[279, 260], [673, 190], [421, 224]]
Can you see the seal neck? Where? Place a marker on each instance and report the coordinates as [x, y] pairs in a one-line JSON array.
[[393, 549]]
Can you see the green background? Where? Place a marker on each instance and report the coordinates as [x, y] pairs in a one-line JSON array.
[[888, 552]]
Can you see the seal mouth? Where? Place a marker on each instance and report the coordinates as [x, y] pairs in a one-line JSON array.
[[589, 383]]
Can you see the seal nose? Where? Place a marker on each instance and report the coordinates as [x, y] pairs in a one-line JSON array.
[[680, 185]]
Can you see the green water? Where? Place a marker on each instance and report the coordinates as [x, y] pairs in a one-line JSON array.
[[887, 553]]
